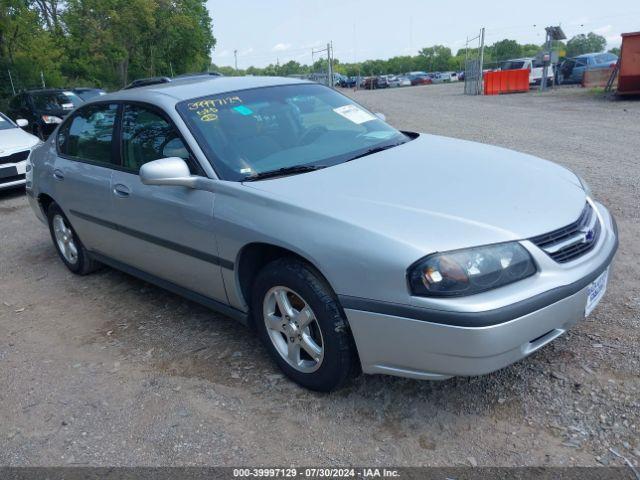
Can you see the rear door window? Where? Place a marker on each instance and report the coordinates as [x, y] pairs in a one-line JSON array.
[[88, 134]]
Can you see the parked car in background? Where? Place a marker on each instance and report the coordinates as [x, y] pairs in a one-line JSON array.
[[445, 77], [572, 70], [15, 147], [353, 82], [396, 81], [43, 109], [331, 235], [383, 81], [419, 78], [370, 83], [535, 67], [86, 93]]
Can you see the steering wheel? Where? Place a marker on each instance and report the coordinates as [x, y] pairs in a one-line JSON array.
[[312, 134]]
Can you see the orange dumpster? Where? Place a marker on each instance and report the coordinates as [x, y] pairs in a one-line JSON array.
[[629, 74], [506, 81]]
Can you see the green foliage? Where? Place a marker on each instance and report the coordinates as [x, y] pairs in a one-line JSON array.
[[104, 43], [615, 51], [435, 59], [505, 50], [590, 43]]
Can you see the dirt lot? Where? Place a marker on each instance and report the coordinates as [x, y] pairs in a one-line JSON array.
[[108, 370]]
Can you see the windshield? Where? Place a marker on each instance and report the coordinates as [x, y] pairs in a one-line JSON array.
[[248, 132], [5, 123], [56, 101]]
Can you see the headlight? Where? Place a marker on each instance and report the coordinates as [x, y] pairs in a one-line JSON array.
[[585, 186], [469, 271], [51, 119]]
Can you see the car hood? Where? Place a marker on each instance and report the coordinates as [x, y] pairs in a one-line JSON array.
[[439, 193], [16, 139]]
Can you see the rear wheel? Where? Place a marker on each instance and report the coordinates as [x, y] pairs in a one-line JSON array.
[[298, 319], [67, 243]]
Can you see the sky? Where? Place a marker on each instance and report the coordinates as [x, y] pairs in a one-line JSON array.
[[267, 31]]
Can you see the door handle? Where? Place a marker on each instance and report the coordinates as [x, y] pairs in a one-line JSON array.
[[121, 191], [58, 175]]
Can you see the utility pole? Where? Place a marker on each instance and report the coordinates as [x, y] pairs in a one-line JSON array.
[[13, 88], [330, 64], [42, 78], [546, 59], [481, 80], [235, 56], [171, 69], [553, 33], [466, 53]]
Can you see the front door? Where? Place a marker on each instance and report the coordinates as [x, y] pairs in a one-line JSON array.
[[165, 231]]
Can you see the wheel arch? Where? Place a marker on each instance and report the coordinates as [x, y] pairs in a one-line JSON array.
[[254, 256], [44, 201]]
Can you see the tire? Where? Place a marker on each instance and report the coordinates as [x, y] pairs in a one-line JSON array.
[[328, 329], [81, 263]]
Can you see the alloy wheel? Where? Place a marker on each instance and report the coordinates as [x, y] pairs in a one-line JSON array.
[[293, 329]]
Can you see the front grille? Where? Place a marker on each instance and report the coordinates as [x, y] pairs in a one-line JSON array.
[[14, 178], [572, 241], [15, 157]]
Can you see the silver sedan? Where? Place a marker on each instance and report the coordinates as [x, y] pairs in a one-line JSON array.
[[346, 244]]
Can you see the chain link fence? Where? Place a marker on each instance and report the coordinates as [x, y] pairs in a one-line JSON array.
[[473, 77]]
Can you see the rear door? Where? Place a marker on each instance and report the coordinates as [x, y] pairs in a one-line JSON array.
[[165, 231], [82, 173]]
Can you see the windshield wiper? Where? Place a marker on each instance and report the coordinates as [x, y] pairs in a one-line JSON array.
[[280, 172], [375, 150]]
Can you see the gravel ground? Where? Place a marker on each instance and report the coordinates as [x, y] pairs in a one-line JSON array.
[[108, 370]]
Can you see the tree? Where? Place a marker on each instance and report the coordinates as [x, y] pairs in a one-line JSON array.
[[589, 43], [111, 42], [435, 58], [505, 50], [103, 43], [49, 11], [615, 51]]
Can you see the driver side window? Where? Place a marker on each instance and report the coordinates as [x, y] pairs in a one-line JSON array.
[[147, 136]]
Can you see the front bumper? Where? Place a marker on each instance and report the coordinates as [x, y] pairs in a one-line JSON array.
[[430, 345], [17, 177]]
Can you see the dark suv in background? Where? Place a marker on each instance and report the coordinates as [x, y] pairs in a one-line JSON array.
[[43, 109]]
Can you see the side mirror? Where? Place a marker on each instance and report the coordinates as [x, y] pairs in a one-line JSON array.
[[381, 116], [168, 171], [22, 123]]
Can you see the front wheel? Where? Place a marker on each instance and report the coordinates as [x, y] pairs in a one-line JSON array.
[[298, 319]]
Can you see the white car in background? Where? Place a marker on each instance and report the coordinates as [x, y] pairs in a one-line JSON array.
[[15, 147], [535, 67], [445, 77], [398, 81]]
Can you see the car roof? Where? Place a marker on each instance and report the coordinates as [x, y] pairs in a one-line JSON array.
[[593, 54], [46, 90], [180, 89]]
